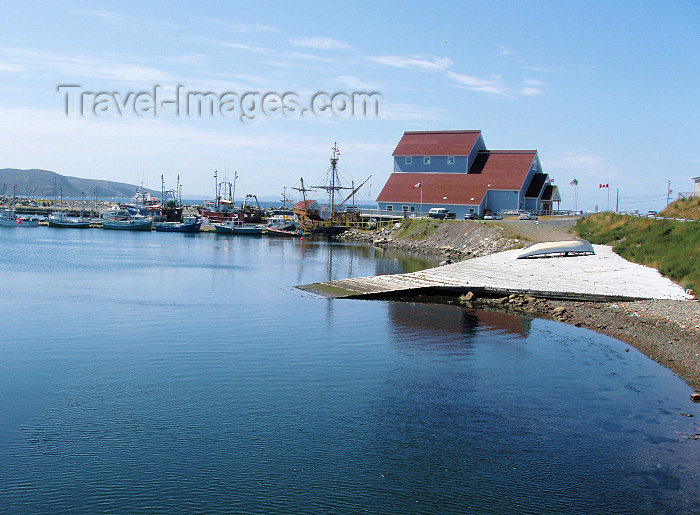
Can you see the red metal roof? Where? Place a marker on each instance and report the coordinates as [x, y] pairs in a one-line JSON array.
[[496, 170], [436, 143]]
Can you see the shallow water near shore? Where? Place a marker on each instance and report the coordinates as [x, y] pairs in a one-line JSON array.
[[171, 373]]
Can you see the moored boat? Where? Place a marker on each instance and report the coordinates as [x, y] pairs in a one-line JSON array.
[[293, 233], [189, 224], [135, 223], [9, 218], [62, 221], [237, 227]]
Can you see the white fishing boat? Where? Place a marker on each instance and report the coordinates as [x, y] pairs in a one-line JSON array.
[[239, 228], [9, 218]]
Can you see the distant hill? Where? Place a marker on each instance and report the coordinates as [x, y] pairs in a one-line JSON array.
[[47, 184]]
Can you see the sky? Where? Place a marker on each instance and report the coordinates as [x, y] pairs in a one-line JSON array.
[[606, 92]]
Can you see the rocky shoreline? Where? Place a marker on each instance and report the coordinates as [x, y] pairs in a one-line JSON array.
[[664, 330]]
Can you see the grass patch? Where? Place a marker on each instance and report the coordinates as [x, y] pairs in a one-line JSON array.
[[418, 230], [671, 247]]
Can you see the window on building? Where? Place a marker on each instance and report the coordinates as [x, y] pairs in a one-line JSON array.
[[451, 160], [389, 207], [409, 160], [426, 160], [404, 208], [413, 209]]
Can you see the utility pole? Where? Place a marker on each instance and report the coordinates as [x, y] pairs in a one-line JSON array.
[[617, 200], [668, 193]]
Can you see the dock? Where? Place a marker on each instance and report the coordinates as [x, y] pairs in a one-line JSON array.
[[604, 276]]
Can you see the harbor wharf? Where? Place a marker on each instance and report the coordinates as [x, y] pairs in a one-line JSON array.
[[603, 276]]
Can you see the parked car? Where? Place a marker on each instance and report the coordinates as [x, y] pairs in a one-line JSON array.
[[470, 216], [527, 216], [440, 213], [652, 214], [493, 216]]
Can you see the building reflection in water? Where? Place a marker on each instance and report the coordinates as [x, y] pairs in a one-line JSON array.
[[448, 327]]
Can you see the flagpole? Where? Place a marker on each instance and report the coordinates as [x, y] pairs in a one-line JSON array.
[[421, 198]]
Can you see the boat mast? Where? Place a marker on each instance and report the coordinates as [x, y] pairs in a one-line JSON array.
[[334, 177], [216, 191], [303, 191], [334, 167]]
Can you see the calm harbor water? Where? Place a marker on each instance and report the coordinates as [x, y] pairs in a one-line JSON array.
[[170, 373]]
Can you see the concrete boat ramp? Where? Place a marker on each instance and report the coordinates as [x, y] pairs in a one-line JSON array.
[[604, 276]]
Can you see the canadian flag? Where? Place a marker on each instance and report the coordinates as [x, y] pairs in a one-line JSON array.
[[604, 185], [419, 185]]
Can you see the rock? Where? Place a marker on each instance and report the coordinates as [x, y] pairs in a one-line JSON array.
[[695, 397], [467, 297], [559, 311]]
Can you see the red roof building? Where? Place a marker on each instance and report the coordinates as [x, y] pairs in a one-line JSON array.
[[454, 170]]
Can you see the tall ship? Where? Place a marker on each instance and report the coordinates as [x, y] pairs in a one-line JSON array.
[[336, 222]]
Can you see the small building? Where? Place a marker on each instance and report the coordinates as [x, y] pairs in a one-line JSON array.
[[697, 186], [309, 209], [455, 170]]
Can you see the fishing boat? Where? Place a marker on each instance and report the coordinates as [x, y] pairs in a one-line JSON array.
[[142, 203], [9, 218], [132, 223], [189, 224], [61, 220], [223, 208], [293, 233], [237, 227]]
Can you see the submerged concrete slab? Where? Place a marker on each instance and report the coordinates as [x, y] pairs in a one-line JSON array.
[[602, 276]]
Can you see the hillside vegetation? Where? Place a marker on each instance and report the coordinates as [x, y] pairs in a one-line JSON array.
[[684, 208], [672, 247]]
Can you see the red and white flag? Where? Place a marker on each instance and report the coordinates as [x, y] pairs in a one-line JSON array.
[[604, 185], [419, 185]]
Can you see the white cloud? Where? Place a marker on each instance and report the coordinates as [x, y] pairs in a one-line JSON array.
[[251, 28], [236, 46], [530, 92], [66, 65], [493, 85], [11, 68], [434, 64], [322, 43], [355, 84], [191, 59], [506, 50], [580, 163], [129, 22], [398, 111]]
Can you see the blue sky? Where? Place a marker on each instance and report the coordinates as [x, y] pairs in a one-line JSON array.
[[607, 92]]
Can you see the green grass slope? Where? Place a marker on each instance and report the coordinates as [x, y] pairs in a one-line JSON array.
[[671, 247]]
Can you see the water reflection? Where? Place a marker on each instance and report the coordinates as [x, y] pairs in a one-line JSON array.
[[444, 320], [343, 259]]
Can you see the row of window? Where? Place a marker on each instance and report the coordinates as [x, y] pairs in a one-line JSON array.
[[426, 160]]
